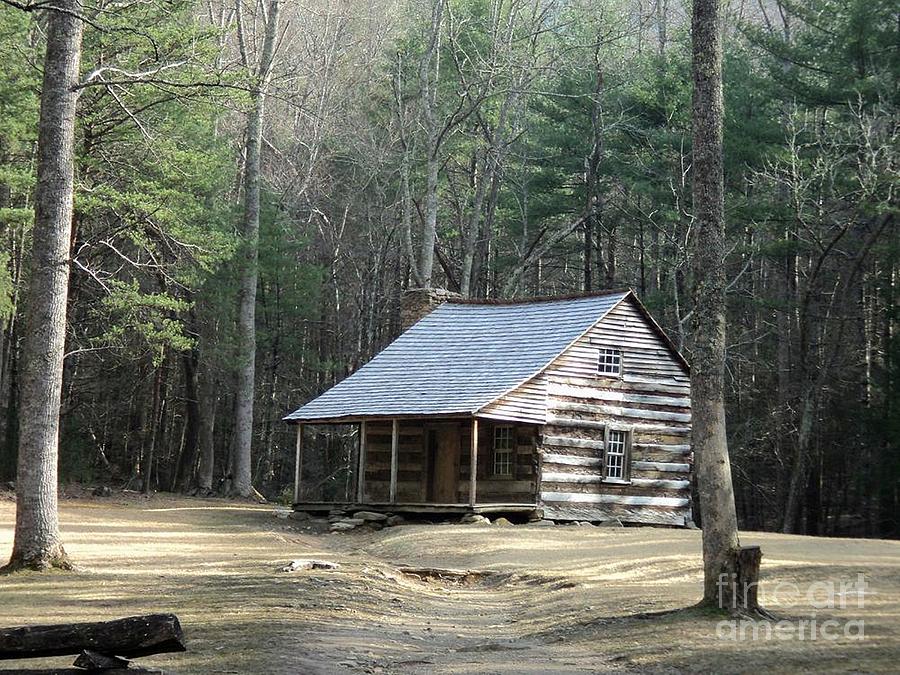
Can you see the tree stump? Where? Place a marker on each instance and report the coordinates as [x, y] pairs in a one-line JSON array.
[[738, 584]]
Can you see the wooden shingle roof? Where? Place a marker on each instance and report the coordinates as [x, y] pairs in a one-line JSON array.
[[459, 358]]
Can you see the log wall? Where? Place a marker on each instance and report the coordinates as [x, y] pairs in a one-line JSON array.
[[413, 457], [521, 487], [651, 399], [411, 462]]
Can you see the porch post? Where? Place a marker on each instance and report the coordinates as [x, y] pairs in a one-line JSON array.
[[361, 469], [395, 451], [473, 461], [298, 462]]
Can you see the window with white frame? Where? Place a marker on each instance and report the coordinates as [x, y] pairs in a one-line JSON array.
[[503, 451], [609, 361], [616, 454]]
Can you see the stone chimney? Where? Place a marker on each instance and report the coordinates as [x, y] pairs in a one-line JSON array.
[[418, 302]]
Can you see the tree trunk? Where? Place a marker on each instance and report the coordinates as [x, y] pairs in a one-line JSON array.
[[472, 229], [721, 548], [208, 369], [611, 260], [10, 435], [800, 472], [208, 406], [429, 112], [187, 460], [406, 229], [429, 234], [151, 432], [662, 20], [37, 541], [788, 328], [479, 233], [246, 329], [587, 249], [592, 169]]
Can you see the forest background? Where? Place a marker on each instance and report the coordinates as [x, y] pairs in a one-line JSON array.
[[498, 148]]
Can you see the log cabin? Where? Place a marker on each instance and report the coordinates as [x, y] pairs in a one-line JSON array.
[[575, 408]]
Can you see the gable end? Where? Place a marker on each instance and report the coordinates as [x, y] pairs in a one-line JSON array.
[[646, 352]]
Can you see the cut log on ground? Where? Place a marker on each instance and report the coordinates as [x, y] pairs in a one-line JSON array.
[[130, 637], [132, 670]]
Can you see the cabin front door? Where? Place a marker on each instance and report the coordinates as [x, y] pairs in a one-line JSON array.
[[443, 465]]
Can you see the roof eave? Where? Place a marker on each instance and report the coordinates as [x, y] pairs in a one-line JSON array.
[[351, 419]]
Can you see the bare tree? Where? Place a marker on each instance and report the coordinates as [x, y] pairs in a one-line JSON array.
[[249, 273], [429, 68], [37, 540], [722, 574]]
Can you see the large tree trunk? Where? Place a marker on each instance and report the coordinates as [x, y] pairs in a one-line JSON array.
[[721, 547], [37, 541], [246, 329]]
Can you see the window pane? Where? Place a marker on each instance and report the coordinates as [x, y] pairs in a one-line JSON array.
[[617, 442], [609, 361], [503, 463], [503, 451]]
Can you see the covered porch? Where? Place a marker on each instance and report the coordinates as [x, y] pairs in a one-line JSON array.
[[422, 465]]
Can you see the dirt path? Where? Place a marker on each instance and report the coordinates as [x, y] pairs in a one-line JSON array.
[[559, 600]]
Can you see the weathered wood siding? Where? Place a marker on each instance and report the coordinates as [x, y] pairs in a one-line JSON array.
[[525, 403], [521, 487], [412, 473], [411, 462], [651, 399]]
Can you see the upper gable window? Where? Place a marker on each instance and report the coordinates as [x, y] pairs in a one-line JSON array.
[[609, 361]]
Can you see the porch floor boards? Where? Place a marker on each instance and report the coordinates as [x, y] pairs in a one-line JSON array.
[[411, 507]]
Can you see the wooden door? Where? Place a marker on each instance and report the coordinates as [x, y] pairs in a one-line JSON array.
[[443, 478]]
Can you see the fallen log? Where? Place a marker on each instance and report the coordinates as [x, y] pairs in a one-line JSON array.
[[129, 638], [132, 670]]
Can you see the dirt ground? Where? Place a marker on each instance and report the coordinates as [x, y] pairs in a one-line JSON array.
[[563, 599]]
